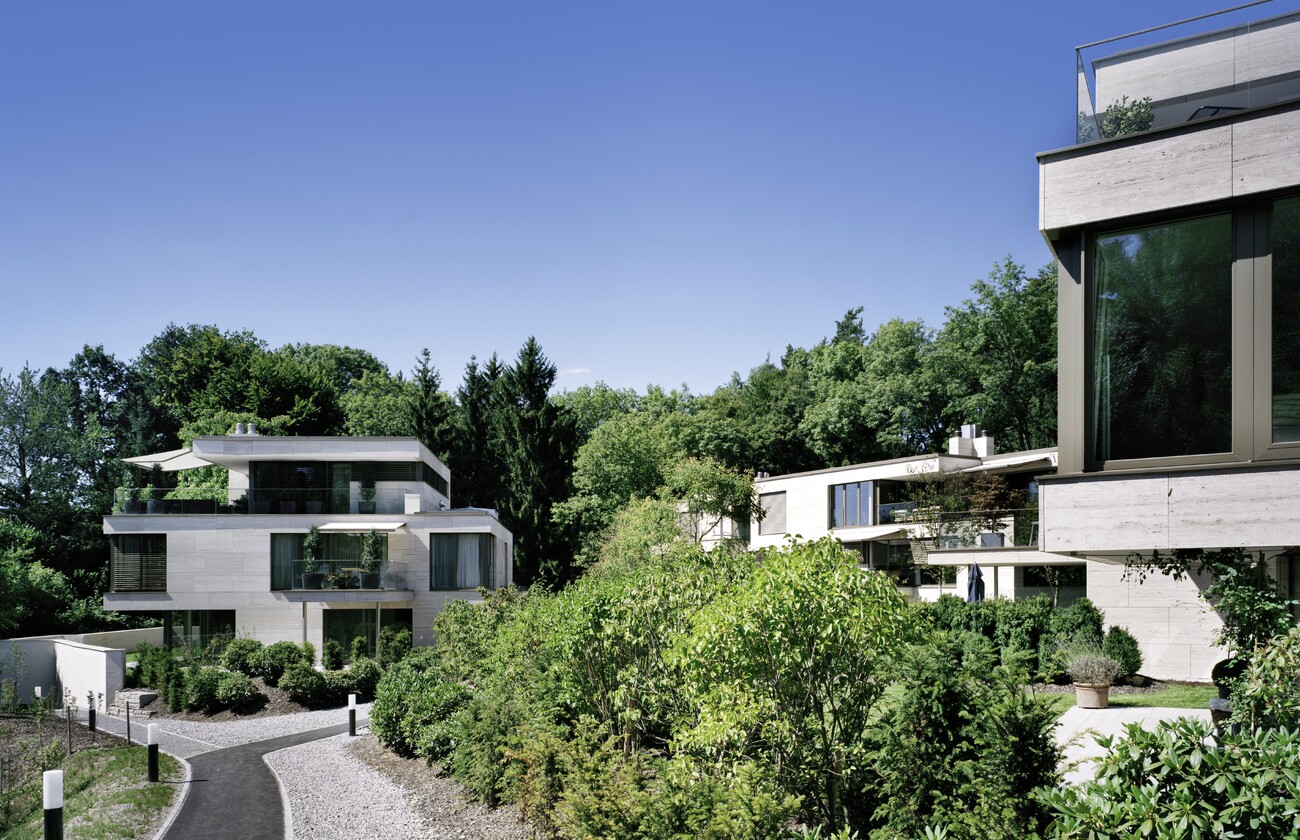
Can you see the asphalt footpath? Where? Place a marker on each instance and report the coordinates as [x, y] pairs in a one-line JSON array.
[[230, 793]]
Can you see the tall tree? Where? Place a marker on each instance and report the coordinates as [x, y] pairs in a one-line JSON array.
[[476, 462], [997, 354], [537, 437], [428, 409]]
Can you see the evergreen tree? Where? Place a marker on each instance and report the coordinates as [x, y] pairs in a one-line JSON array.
[[429, 410], [537, 437], [476, 464]]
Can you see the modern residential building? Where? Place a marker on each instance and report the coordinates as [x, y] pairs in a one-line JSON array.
[[225, 553], [1175, 220], [893, 515]]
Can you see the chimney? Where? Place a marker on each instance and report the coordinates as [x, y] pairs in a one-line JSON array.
[[252, 428], [972, 442], [239, 428]]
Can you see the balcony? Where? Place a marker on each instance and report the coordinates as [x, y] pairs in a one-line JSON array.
[[263, 500], [1195, 69], [338, 580]]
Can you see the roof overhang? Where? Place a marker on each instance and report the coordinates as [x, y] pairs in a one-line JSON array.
[[359, 527], [171, 461], [1019, 463], [871, 533]]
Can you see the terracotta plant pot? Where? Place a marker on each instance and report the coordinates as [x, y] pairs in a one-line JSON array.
[[1092, 696]]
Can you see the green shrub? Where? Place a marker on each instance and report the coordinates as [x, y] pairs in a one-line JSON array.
[[394, 644], [273, 659], [332, 655], [201, 689], [1125, 117], [412, 712], [236, 690], [1267, 695], [1079, 623], [216, 649], [1167, 783], [175, 687], [1120, 645], [365, 674], [961, 749], [338, 685], [309, 653], [153, 663], [305, 685], [360, 648], [240, 655]]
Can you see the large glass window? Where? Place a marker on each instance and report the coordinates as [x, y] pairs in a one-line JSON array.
[[850, 504], [138, 563], [1286, 320], [1162, 340], [345, 626], [461, 561]]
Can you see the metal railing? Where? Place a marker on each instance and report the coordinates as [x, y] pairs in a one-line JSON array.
[[261, 500], [338, 574]]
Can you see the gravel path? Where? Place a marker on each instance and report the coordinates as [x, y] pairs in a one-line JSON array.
[[235, 732], [332, 795]]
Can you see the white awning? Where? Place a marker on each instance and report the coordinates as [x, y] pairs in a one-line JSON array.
[[1046, 460], [173, 461], [871, 533], [360, 527]]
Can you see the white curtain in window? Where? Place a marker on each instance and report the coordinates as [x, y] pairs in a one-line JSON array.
[[467, 562]]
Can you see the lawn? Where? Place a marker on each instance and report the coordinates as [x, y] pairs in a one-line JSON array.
[[105, 787], [1169, 695]]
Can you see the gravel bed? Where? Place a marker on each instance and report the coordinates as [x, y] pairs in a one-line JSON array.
[[333, 796], [232, 733]]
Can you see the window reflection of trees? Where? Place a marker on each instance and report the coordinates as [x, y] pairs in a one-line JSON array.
[[1163, 340]]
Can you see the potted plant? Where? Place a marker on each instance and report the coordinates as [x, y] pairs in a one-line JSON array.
[[342, 580], [372, 552], [1226, 673], [132, 502], [311, 551], [367, 503], [1092, 672]]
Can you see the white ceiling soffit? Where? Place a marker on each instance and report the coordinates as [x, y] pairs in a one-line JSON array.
[[173, 461], [869, 534], [359, 527], [1018, 461]]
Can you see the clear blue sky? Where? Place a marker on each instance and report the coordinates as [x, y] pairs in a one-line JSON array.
[[661, 192]]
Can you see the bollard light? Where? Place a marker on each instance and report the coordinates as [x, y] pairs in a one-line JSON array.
[[151, 740], [37, 692], [52, 796], [352, 701], [352, 715]]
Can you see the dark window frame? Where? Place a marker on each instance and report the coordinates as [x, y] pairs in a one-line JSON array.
[[137, 563]]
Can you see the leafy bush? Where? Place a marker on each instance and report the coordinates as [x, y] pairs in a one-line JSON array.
[[154, 664], [1125, 117], [305, 685], [1167, 783], [273, 659], [360, 648], [332, 655], [241, 654], [236, 691], [365, 674], [394, 644], [201, 689], [412, 712], [1120, 645], [309, 653], [338, 685], [1267, 695]]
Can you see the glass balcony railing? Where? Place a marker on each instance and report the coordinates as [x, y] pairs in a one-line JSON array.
[[1193, 69], [263, 500], [1015, 528], [299, 575]]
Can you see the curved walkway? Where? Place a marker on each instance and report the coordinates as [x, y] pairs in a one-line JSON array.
[[1077, 732], [230, 793], [234, 794]]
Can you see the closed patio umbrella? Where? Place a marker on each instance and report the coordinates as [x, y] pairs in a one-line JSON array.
[[974, 584]]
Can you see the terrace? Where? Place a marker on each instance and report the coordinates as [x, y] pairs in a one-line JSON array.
[[1195, 69]]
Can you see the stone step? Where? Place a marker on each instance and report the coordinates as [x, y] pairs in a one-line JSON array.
[[133, 700]]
